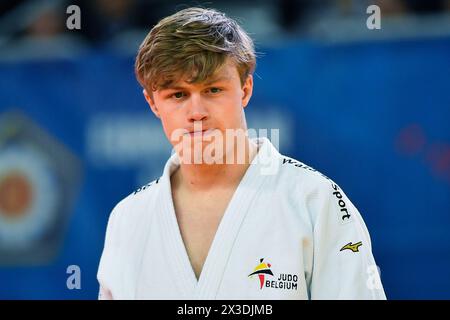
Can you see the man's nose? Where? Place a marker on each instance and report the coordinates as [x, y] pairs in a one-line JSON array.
[[197, 108]]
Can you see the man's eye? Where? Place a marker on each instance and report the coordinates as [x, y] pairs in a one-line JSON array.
[[215, 90], [178, 95]]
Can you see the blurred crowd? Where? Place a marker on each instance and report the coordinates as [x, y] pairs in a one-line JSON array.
[[40, 25]]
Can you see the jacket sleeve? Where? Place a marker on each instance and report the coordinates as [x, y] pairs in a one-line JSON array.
[[343, 264], [104, 294], [107, 270]]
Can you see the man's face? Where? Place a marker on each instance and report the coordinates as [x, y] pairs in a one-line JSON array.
[[216, 104]]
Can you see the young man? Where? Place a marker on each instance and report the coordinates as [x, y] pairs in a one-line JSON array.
[[230, 217]]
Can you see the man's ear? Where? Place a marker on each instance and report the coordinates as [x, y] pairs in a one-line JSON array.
[[247, 90], [151, 102]]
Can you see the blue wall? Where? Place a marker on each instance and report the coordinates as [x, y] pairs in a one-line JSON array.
[[373, 116]]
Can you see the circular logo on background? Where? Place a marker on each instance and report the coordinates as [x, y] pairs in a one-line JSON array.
[[28, 196], [16, 195]]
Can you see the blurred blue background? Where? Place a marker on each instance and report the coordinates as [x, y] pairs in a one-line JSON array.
[[368, 108]]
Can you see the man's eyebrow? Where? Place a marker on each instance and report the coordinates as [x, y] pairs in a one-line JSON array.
[[180, 87], [172, 88]]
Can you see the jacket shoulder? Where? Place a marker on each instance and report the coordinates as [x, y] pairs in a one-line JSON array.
[[138, 196], [304, 174]]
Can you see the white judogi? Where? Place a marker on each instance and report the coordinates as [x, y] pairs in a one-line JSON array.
[[285, 221]]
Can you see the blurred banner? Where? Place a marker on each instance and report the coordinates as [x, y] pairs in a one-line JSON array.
[[76, 136]]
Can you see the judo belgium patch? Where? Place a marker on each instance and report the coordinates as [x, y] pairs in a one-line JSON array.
[[284, 280]]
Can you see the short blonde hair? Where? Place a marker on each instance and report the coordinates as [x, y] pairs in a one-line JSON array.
[[192, 43]]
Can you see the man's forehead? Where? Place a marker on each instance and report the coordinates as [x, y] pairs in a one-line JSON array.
[[225, 73]]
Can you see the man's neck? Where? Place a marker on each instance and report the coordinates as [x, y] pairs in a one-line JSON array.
[[195, 178]]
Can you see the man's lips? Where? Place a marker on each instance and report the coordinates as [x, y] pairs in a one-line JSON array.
[[201, 133]]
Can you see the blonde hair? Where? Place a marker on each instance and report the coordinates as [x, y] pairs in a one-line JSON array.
[[192, 43]]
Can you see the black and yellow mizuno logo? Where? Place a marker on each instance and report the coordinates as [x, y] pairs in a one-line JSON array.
[[352, 246]]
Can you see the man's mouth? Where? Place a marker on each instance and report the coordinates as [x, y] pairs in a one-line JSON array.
[[201, 133]]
